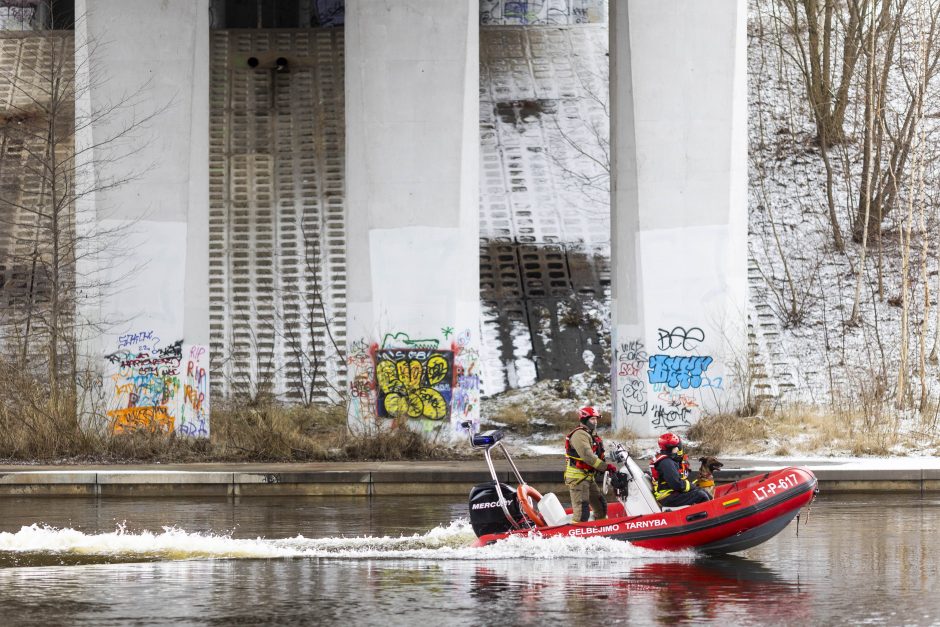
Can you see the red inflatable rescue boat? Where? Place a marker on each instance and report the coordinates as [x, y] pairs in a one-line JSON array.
[[741, 515]]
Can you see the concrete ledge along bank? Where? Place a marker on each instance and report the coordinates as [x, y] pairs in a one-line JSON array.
[[911, 476]]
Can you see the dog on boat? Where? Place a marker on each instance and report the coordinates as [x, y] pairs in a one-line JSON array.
[[706, 473]]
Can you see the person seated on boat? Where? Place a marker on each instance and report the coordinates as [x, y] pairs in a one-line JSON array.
[[584, 453], [670, 471]]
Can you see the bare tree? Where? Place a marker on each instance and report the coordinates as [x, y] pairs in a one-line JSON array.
[[895, 127], [41, 183], [826, 58]]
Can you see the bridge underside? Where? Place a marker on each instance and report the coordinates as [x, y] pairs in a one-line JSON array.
[[332, 215]]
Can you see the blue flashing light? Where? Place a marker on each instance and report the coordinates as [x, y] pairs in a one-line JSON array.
[[487, 438]]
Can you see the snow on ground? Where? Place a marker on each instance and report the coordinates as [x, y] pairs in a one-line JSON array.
[[833, 360]]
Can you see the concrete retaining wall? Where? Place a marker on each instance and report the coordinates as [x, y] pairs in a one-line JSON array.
[[390, 481]]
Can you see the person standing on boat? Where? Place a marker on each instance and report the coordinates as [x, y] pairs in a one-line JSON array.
[[670, 470], [584, 453]]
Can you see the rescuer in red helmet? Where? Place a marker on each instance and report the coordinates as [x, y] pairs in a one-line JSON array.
[[584, 453], [670, 470]]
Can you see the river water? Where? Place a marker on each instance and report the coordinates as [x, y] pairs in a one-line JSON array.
[[866, 559]]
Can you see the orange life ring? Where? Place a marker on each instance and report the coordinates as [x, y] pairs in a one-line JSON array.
[[529, 497]]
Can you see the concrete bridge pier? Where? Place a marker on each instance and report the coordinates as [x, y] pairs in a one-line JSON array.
[[142, 211], [679, 209], [412, 116]]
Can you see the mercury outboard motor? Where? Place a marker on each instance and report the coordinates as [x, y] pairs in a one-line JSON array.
[[486, 515]]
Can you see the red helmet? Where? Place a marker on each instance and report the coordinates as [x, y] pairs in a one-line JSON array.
[[588, 412], [668, 440]]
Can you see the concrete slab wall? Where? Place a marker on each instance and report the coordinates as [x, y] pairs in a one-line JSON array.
[[277, 234], [412, 153]]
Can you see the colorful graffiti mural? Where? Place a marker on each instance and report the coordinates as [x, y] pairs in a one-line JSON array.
[[415, 379], [150, 390], [414, 383], [678, 376], [466, 402], [361, 374]]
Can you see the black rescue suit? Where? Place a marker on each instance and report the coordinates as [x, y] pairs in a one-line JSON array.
[[671, 485]]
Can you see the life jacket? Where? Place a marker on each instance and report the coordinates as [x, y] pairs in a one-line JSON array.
[[597, 447], [661, 489]]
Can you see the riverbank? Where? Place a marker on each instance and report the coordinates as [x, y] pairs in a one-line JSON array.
[[913, 476]]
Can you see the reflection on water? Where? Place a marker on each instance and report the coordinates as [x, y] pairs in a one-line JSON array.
[[391, 561]]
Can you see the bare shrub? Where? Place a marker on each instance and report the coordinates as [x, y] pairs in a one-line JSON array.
[[388, 443], [520, 419], [34, 423], [626, 437]]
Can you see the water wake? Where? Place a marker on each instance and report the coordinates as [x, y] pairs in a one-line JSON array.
[[450, 542]]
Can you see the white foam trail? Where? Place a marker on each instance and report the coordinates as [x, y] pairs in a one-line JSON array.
[[172, 543], [450, 542]]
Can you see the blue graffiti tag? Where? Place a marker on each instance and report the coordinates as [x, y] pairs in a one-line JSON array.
[[678, 370]]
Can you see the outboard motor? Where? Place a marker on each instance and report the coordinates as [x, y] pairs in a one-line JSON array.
[[492, 509], [486, 514]]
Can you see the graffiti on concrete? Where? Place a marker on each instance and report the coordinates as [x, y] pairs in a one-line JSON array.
[[406, 379], [670, 398], [678, 370], [631, 359], [392, 340], [414, 383], [680, 338], [678, 376], [466, 400], [149, 390], [145, 382], [153, 418], [361, 373], [544, 12], [671, 417], [193, 419]]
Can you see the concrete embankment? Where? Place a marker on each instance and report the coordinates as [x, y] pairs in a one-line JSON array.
[[405, 478]]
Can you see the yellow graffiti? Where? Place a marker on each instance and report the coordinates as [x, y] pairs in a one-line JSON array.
[[154, 419], [400, 381], [437, 369]]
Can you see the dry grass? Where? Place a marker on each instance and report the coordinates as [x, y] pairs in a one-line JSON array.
[[719, 433], [846, 429], [32, 425], [271, 432], [34, 430], [398, 443]]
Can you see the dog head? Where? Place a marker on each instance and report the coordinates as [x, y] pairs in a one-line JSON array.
[[710, 465]]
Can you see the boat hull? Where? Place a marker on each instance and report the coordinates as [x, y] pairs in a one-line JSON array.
[[740, 516]]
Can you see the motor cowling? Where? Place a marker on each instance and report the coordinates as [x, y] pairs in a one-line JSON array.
[[486, 516]]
